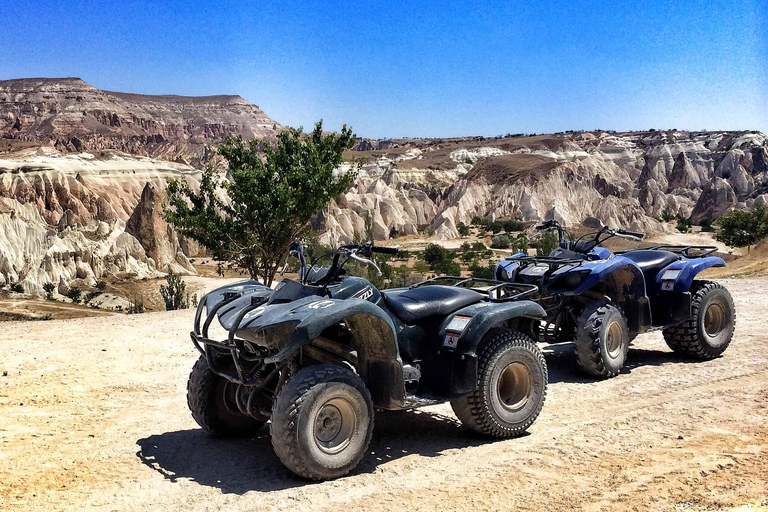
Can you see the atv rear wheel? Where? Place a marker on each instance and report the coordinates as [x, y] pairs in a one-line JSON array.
[[708, 332], [212, 402], [511, 386], [602, 339], [322, 422]]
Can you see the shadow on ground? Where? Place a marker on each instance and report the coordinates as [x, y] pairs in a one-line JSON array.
[[240, 465], [562, 365]]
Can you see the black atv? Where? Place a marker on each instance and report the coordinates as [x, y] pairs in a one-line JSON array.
[[314, 357]]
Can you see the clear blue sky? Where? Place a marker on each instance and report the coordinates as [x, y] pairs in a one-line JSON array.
[[394, 69]]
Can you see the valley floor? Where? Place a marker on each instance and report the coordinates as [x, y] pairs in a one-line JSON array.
[[93, 416]]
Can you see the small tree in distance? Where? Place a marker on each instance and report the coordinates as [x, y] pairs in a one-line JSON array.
[[739, 228], [174, 293], [271, 197]]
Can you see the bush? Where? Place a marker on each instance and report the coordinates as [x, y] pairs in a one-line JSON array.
[[500, 242], [75, 293], [513, 225], [463, 229], [684, 224], [17, 287], [101, 285], [520, 243], [495, 227], [479, 221], [434, 253], [482, 272], [707, 226], [448, 268], [48, 288], [667, 215], [174, 293], [546, 243], [740, 228], [136, 305]]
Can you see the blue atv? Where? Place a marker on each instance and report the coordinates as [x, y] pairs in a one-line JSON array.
[[602, 300]]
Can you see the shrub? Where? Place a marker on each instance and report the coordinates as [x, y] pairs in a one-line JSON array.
[[463, 229], [513, 225], [75, 293], [667, 215], [174, 293], [101, 285], [707, 225], [48, 288], [482, 271], [495, 227], [500, 242], [684, 224], [434, 253], [546, 243], [520, 243], [17, 287], [136, 305]]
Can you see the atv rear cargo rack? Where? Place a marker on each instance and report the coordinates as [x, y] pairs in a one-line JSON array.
[[683, 250], [496, 291], [553, 262]]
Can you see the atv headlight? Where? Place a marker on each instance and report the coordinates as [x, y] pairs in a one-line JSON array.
[[574, 279]]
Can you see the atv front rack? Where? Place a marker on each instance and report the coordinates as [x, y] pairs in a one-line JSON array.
[[700, 251], [495, 291]]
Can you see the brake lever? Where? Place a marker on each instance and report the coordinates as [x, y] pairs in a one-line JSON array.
[[366, 261]]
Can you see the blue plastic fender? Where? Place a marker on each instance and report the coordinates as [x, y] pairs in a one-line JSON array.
[[688, 268]]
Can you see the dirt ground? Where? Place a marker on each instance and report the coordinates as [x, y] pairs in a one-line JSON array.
[[93, 416]]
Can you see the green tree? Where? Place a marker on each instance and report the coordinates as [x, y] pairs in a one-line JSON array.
[[174, 292], [48, 289], [463, 229], [667, 215], [739, 228], [513, 225], [270, 198], [546, 243]]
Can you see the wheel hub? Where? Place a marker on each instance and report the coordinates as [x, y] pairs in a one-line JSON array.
[[714, 319], [515, 386], [613, 340], [335, 423]]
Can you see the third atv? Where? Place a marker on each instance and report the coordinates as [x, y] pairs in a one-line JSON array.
[[602, 300], [314, 357]]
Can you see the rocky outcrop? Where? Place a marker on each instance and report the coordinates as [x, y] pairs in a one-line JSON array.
[[626, 179], [156, 237], [75, 117]]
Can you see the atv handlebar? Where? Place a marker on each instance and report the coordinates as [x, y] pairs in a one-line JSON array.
[[385, 250], [634, 234]]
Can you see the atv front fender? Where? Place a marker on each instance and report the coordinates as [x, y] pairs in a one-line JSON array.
[[379, 363]]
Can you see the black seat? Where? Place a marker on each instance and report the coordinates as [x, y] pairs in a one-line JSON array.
[[416, 304], [650, 262]]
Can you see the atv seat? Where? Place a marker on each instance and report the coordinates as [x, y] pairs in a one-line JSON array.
[[422, 302], [650, 262]]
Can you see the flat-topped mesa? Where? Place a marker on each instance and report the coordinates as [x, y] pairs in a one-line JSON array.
[[75, 116]]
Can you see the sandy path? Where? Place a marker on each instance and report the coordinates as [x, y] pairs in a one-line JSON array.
[[93, 415]]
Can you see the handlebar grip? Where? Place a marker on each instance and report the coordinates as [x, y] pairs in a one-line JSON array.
[[384, 250], [541, 227], [632, 233]]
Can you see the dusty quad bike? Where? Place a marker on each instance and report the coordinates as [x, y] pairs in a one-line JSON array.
[[316, 356], [602, 300]]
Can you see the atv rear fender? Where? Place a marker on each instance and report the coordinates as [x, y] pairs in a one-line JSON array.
[[688, 268], [457, 357]]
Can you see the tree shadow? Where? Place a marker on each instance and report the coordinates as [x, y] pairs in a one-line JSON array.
[[562, 365], [237, 466]]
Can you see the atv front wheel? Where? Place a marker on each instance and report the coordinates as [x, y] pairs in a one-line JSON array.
[[211, 399], [322, 422], [602, 339], [511, 386], [708, 332]]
